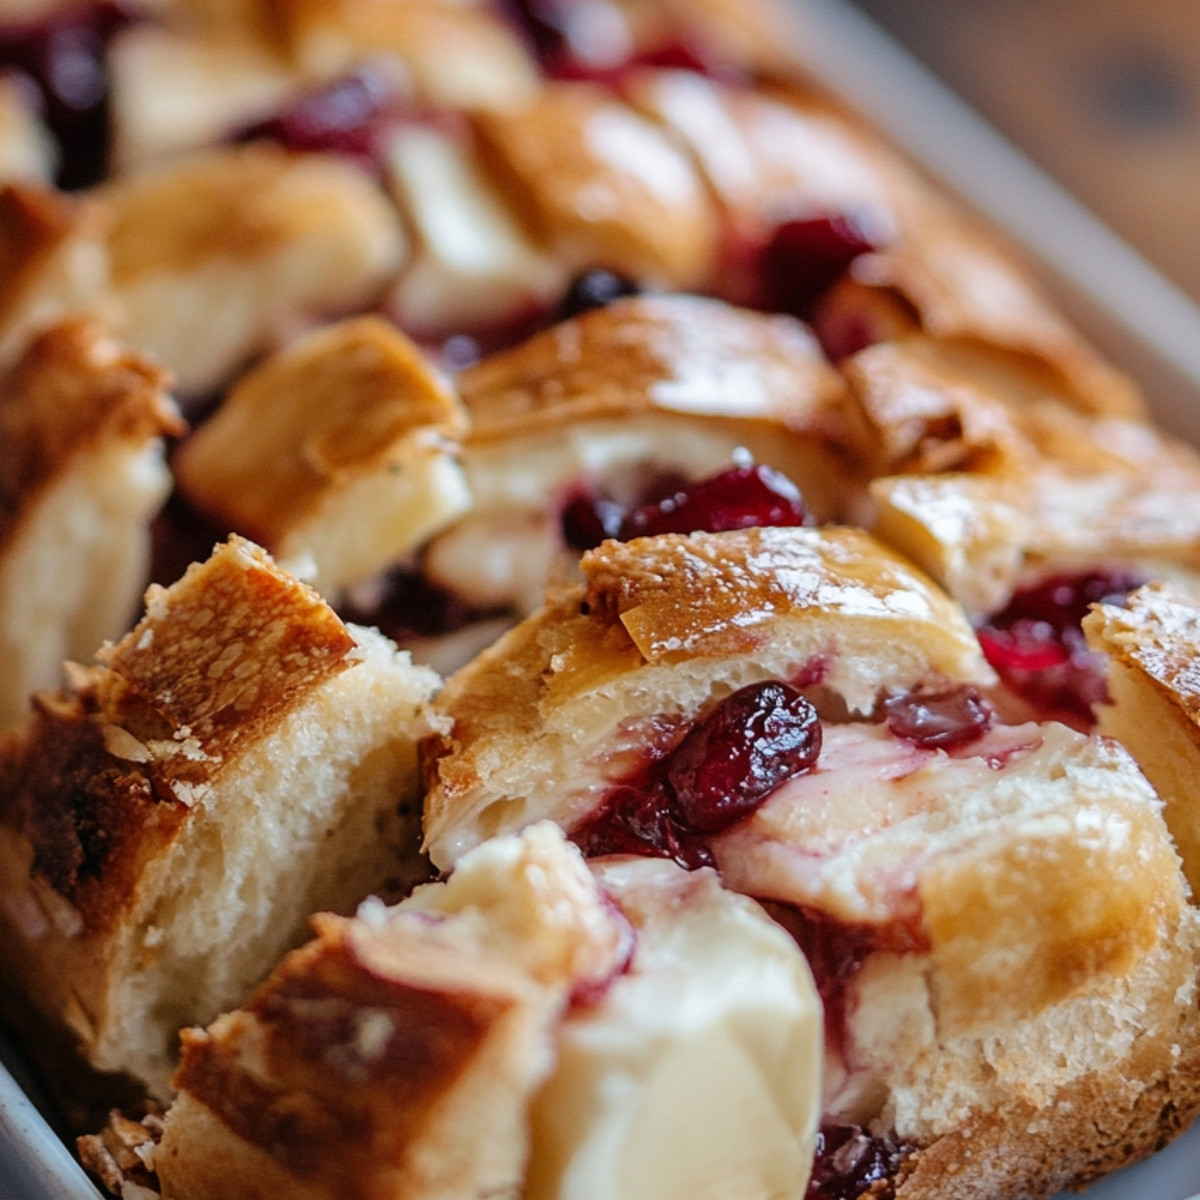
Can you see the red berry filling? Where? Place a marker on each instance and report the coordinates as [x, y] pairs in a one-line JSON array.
[[722, 770], [64, 55], [850, 1162], [349, 116], [939, 720], [807, 256], [1037, 646], [738, 498]]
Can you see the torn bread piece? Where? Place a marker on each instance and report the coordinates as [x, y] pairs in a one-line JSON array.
[[1002, 941], [602, 186], [604, 410], [554, 716], [475, 268], [52, 258], [338, 454], [82, 472], [991, 478], [171, 819], [220, 255], [451, 55], [1151, 644], [981, 902], [579, 1026]]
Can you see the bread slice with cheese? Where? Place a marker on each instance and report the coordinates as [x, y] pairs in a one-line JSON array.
[[526, 1027], [995, 913], [169, 820]]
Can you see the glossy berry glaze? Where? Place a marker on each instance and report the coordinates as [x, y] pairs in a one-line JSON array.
[[64, 55], [741, 497], [724, 767], [1038, 649], [719, 773]]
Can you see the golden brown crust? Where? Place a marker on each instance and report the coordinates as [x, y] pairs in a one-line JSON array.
[[660, 624], [602, 186], [679, 354], [72, 387], [340, 403]]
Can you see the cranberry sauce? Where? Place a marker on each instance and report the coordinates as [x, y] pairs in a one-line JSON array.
[[738, 498], [807, 256], [1038, 649], [722, 770], [851, 1162], [944, 719], [350, 116], [64, 54]]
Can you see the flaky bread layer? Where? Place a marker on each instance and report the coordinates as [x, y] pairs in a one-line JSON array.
[[559, 709]]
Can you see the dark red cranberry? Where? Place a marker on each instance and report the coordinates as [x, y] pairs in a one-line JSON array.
[[65, 55], [850, 1162], [346, 117], [589, 520], [592, 289], [723, 769], [939, 720], [1037, 646], [806, 256], [736, 757], [739, 498]]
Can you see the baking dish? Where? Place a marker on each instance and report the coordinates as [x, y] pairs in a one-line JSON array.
[[1140, 320]]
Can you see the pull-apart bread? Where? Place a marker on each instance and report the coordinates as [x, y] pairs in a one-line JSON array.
[[994, 913], [784, 793], [170, 819], [526, 1028]]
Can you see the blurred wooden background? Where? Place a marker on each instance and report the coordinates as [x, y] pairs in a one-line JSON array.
[[1103, 94]]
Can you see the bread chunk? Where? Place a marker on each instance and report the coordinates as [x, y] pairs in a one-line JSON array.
[[337, 454], [238, 761], [82, 472], [53, 261], [602, 186], [1151, 646], [524, 1028], [217, 255], [541, 720]]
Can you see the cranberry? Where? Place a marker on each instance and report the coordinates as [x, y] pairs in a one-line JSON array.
[[592, 289], [64, 55], [739, 498], [850, 1162], [1037, 646], [723, 769], [589, 520], [346, 117], [806, 256], [733, 760], [939, 720]]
